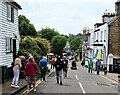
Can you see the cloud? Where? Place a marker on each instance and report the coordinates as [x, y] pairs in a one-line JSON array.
[[81, 1], [66, 16]]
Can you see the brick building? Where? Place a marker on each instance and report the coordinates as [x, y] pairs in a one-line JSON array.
[[114, 38]]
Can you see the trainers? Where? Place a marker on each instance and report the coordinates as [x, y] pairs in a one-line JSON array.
[[34, 90], [12, 85], [16, 86]]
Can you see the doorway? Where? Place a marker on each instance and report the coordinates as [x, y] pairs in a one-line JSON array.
[[14, 49]]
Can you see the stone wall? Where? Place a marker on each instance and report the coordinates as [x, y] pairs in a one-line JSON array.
[[114, 38]]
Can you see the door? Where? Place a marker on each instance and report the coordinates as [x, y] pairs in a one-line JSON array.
[[14, 49]]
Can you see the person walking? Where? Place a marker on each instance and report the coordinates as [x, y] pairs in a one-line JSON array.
[[58, 67], [90, 66], [43, 67], [52, 61], [83, 62], [65, 64], [16, 72], [98, 64], [30, 68]]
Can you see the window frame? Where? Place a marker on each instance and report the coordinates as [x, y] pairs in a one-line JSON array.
[[101, 36], [10, 13], [9, 45]]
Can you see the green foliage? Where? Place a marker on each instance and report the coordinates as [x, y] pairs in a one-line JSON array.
[[25, 27], [75, 42], [44, 45], [80, 49], [58, 43], [47, 33], [35, 46]]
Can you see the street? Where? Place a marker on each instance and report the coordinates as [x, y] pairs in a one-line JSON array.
[[78, 81]]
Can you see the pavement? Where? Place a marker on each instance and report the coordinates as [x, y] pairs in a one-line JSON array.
[[7, 89], [112, 76]]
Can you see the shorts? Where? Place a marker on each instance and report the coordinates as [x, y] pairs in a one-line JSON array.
[[30, 79]]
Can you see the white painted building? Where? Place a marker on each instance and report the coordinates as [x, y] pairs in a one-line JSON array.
[[101, 34], [101, 41], [9, 32], [90, 44], [87, 46]]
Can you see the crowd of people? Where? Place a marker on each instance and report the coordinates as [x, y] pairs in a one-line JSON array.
[[90, 65], [31, 67]]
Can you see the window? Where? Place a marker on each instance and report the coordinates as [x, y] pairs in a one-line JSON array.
[[9, 44], [101, 53], [97, 36], [101, 36], [104, 35], [10, 13]]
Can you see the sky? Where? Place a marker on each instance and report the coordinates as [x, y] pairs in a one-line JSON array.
[[65, 16]]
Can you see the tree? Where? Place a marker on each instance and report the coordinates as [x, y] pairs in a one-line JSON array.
[[75, 41], [47, 33], [44, 45], [58, 43], [25, 27], [35, 46]]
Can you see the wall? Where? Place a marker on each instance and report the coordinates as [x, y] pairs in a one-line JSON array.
[[114, 38], [7, 28]]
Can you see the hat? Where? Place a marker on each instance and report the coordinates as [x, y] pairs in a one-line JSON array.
[[44, 57]]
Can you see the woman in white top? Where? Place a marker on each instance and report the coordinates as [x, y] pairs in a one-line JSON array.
[[16, 71]]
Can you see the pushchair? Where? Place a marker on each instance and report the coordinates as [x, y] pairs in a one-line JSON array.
[[74, 66]]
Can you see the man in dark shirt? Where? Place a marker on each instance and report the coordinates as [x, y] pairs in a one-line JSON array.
[[98, 64], [59, 67]]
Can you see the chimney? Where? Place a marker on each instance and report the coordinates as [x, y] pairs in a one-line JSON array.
[[107, 16], [117, 8]]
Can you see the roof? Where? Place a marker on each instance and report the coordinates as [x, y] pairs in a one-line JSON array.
[[14, 3], [114, 19]]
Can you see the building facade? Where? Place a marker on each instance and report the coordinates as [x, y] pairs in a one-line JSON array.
[[114, 43], [9, 32]]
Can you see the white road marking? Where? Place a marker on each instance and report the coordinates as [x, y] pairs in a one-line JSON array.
[[82, 88], [76, 77], [80, 84]]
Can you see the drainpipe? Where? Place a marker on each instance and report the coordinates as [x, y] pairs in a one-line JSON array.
[[108, 37], [108, 42]]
